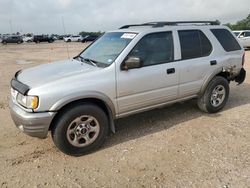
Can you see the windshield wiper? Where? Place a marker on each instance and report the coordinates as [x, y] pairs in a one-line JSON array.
[[89, 61], [93, 62]]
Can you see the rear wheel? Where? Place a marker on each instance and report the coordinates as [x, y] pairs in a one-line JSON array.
[[215, 96], [80, 129]]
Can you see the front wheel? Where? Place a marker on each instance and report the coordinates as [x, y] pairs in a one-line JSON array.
[[80, 129], [215, 96]]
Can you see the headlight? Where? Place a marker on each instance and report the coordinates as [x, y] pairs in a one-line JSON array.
[[30, 102]]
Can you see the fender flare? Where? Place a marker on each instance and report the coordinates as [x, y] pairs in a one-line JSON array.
[[88, 95], [210, 77]]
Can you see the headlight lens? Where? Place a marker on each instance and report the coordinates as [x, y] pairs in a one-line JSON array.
[[30, 102]]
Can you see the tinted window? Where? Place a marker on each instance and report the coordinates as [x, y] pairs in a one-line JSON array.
[[236, 34], [247, 34], [154, 49], [226, 39], [194, 44]]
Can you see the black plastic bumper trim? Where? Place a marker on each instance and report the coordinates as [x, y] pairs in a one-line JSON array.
[[241, 77]]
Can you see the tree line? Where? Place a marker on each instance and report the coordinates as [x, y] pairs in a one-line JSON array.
[[243, 24]]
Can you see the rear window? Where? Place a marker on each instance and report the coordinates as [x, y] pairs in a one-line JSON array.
[[226, 39], [194, 44]]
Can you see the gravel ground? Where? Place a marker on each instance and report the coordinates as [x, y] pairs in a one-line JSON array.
[[176, 146]]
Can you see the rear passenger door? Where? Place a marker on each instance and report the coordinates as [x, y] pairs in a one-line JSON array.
[[195, 61], [154, 83]]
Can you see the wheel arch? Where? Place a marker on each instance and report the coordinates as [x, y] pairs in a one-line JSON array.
[[223, 72], [97, 99]]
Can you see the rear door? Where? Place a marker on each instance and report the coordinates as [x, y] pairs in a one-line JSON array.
[[154, 83], [195, 61]]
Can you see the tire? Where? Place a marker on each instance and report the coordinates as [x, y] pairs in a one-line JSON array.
[[213, 99], [65, 129], [69, 40]]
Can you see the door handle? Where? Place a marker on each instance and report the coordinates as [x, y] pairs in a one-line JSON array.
[[171, 71], [214, 62]]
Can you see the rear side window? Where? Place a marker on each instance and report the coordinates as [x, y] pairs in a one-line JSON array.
[[194, 44], [226, 39]]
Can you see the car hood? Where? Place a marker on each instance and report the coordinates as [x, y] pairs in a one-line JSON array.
[[47, 73]]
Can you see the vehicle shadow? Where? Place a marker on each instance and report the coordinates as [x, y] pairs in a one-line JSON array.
[[157, 120]]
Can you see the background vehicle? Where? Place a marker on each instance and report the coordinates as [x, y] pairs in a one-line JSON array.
[[43, 38], [244, 37], [12, 39], [73, 38], [130, 70], [89, 38], [28, 39]]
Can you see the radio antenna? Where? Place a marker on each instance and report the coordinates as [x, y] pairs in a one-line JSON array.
[[64, 30]]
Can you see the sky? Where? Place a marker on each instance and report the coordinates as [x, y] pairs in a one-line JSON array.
[[47, 16]]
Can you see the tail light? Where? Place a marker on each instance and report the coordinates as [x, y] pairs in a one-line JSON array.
[[243, 59]]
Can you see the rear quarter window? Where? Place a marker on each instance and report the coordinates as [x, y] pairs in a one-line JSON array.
[[226, 39]]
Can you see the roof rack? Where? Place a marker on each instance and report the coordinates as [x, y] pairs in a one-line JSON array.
[[161, 24]]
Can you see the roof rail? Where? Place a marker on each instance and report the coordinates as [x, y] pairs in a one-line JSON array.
[[161, 24]]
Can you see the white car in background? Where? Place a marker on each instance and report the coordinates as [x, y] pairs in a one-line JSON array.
[[244, 37], [27, 39], [73, 38]]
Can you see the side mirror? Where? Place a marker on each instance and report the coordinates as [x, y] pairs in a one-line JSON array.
[[132, 63]]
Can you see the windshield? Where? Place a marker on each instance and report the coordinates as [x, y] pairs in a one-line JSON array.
[[107, 48], [236, 34]]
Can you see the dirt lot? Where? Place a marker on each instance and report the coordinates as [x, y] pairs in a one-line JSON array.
[[177, 146]]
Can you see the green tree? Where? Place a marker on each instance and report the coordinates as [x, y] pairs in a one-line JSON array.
[[240, 25]]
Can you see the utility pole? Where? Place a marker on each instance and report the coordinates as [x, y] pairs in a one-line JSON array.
[[11, 29], [64, 30]]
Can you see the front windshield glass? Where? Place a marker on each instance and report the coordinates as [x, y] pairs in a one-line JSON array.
[[107, 48]]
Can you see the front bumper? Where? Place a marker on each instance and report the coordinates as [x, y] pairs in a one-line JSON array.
[[32, 124]]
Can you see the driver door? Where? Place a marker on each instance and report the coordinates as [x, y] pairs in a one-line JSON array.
[[156, 82]]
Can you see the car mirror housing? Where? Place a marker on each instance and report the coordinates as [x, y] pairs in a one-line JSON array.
[[132, 63]]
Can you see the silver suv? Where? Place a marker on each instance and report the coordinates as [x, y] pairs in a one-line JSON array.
[[126, 71]]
